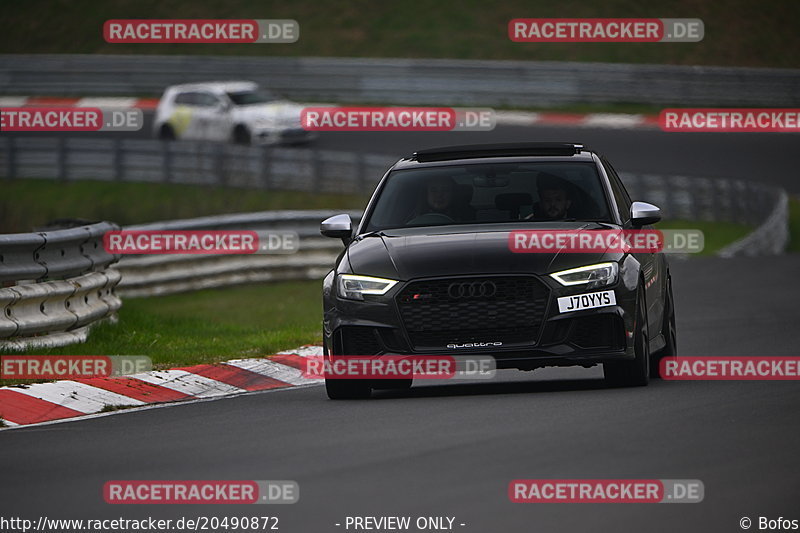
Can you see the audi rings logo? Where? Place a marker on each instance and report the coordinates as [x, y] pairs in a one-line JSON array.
[[472, 289]]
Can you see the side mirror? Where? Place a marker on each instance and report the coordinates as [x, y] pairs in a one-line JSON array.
[[338, 227], [643, 214]]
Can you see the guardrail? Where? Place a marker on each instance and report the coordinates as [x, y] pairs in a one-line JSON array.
[[721, 200], [55, 286], [406, 81], [197, 163], [151, 275]]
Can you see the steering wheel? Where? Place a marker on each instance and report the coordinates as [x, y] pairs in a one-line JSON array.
[[431, 218]]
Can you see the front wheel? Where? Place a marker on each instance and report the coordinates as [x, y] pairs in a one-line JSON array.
[[166, 133], [670, 333], [635, 373], [241, 135]]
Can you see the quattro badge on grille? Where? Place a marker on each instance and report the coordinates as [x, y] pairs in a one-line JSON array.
[[454, 346]]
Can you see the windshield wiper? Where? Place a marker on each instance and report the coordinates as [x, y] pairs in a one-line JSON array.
[[568, 220]]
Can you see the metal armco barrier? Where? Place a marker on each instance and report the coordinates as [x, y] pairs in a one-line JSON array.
[[54, 254], [194, 163], [406, 81], [770, 237], [150, 275], [721, 200], [56, 284]]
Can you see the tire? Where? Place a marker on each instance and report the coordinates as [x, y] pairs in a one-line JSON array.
[[241, 135], [635, 373], [347, 389], [166, 133], [392, 384], [670, 333]]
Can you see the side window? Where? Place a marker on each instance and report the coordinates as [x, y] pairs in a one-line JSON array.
[[185, 99], [621, 197], [206, 100]]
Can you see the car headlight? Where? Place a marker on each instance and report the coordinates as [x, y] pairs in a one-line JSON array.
[[355, 287], [591, 276]]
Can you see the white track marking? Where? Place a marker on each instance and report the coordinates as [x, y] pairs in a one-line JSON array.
[[516, 118], [76, 396], [303, 351], [107, 101], [13, 101], [91, 400], [188, 383], [274, 370], [613, 120]]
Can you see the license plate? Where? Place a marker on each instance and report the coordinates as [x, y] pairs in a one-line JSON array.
[[591, 300]]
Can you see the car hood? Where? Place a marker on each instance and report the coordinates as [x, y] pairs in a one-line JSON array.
[[409, 253]]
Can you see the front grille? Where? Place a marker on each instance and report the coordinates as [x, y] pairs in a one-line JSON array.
[[439, 312]]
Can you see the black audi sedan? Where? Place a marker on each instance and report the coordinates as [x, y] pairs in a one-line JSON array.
[[431, 269]]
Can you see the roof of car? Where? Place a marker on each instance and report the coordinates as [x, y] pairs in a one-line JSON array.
[[217, 85], [507, 153]]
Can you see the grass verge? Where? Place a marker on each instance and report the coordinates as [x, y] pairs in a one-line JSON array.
[[29, 203], [209, 326], [716, 235]]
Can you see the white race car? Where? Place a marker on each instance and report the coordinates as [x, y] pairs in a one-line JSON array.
[[237, 111]]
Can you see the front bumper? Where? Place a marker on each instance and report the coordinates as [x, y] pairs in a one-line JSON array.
[[586, 337]]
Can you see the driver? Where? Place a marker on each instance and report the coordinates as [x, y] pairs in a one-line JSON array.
[[440, 196], [554, 199]]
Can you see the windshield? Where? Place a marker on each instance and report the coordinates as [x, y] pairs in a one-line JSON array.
[[490, 193], [258, 96]]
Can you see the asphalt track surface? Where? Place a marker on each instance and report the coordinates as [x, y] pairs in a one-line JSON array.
[[450, 449]]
